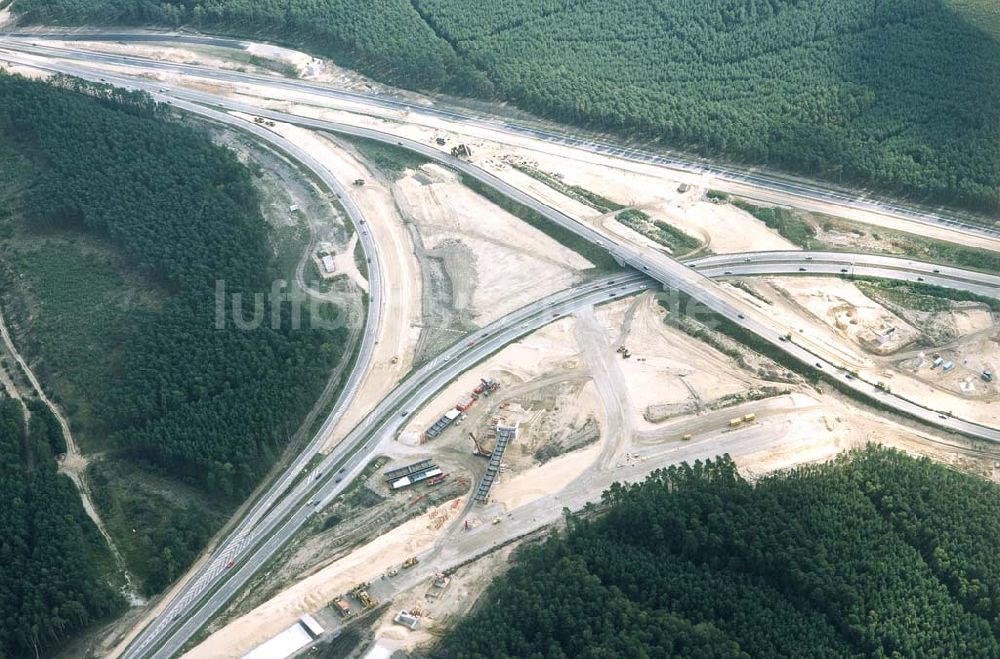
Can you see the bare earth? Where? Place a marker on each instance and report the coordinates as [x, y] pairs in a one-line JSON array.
[[512, 264], [668, 367], [401, 280], [364, 564], [836, 314]]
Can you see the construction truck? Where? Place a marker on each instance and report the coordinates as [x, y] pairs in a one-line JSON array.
[[436, 480], [410, 562], [749, 417], [735, 423], [342, 607], [461, 151]]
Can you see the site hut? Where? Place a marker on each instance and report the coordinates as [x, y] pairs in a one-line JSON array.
[[406, 619], [328, 264], [288, 642], [309, 623]]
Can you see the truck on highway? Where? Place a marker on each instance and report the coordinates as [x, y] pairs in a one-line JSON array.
[[686, 437], [735, 423], [749, 417]]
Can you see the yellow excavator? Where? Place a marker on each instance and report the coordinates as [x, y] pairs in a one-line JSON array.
[[366, 600]]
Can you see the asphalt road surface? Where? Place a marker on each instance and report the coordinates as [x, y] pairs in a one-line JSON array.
[[848, 265]]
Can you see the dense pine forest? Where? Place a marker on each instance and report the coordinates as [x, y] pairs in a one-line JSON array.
[[166, 392], [903, 95], [874, 554], [53, 561]]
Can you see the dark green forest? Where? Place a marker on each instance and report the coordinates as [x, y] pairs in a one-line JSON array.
[[874, 554], [903, 95], [164, 386], [52, 558]]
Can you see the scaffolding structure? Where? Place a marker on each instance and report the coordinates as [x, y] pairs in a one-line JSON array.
[[504, 435], [394, 474]]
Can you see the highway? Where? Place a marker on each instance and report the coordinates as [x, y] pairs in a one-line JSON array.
[[28, 42], [847, 264], [273, 529], [657, 265]]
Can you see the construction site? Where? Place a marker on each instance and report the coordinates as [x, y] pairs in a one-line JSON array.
[[600, 392], [556, 416], [946, 356]]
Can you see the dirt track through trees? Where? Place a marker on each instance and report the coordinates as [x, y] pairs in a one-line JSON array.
[[73, 464]]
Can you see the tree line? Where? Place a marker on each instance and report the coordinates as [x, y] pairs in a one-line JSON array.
[[903, 95], [873, 554]]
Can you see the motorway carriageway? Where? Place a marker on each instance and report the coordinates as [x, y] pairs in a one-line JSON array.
[[847, 264], [786, 185], [671, 273], [232, 551]]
